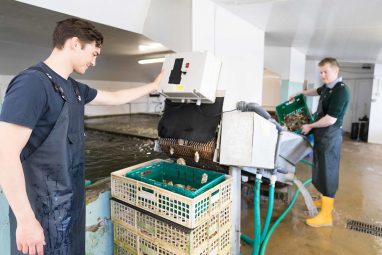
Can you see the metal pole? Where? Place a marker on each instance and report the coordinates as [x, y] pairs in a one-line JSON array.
[[235, 172]]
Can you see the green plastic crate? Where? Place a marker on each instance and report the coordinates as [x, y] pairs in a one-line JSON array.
[[297, 105], [155, 174]]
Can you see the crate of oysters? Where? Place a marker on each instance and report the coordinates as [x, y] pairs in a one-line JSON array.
[[182, 194], [294, 113]]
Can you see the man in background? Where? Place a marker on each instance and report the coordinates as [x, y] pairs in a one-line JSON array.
[[327, 130]]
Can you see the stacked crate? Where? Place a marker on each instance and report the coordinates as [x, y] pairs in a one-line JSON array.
[[151, 218]]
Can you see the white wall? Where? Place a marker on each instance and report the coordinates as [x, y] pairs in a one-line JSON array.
[[312, 75], [17, 56], [375, 125], [145, 104], [277, 59], [4, 81], [203, 25], [297, 66], [271, 90], [128, 15], [286, 61], [238, 44], [290, 64], [312, 72], [241, 48]]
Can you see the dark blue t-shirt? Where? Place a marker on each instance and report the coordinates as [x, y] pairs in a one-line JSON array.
[[32, 101]]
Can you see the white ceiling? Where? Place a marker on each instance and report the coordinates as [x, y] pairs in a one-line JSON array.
[[350, 30]]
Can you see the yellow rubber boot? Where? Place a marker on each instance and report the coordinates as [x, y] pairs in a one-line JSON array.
[[324, 218], [318, 202]]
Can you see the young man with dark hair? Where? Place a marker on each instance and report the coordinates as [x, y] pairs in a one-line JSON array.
[[42, 143], [327, 130]]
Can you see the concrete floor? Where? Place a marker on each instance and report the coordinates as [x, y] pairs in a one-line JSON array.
[[358, 198]]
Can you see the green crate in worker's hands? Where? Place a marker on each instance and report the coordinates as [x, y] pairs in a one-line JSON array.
[[184, 180], [294, 113]]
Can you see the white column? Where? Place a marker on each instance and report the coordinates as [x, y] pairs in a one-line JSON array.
[[240, 46], [375, 123], [277, 59], [237, 43], [289, 63], [296, 71], [312, 75]]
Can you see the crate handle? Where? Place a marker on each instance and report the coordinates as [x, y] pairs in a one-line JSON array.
[[290, 101], [297, 99], [215, 196], [148, 190]]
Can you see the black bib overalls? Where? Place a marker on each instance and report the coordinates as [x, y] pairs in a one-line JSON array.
[[326, 154], [54, 177]]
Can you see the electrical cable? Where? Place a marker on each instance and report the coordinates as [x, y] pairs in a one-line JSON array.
[[214, 115]]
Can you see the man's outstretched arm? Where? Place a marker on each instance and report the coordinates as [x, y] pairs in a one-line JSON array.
[[126, 95]]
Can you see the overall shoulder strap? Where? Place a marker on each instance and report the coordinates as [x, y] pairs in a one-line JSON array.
[[76, 89], [56, 86]]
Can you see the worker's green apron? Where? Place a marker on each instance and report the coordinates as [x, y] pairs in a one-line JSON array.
[[54, 177], [326, 155]]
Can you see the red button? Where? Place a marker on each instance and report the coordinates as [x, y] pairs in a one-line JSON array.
[[187, 65]]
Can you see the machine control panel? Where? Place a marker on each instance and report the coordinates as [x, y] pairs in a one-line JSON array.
[[190, 77]]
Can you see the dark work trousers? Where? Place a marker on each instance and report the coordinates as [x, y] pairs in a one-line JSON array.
[[326, 156], [54, 177]]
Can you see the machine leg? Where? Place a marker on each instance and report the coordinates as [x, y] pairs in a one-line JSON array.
[[235, 172]]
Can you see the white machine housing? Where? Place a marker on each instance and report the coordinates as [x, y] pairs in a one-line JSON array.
[[247, 139], [190, 77]]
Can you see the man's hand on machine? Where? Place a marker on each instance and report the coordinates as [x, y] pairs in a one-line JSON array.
[[155, 84]]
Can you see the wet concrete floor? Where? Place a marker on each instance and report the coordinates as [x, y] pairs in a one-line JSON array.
[[358, 198]]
